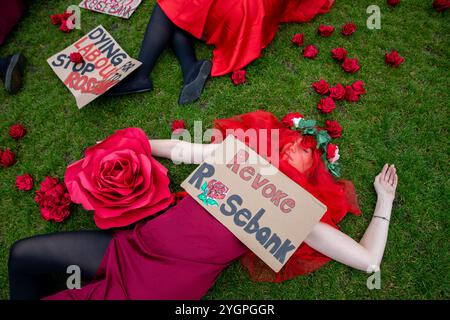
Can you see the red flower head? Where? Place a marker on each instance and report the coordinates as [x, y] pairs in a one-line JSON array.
[[337, 92], [325, 31], [332, 152], [350, 65], [53, 200], [298, 39], [441, 5], [178, 125], [17, 131], [339, 54], [350, 94], [321, 87], [76, 57], [393, 3], [7, 158], [66, 15], [358, 87], [56, 19], [64, 28], [326, 105], [394, 59], [348, 29], [238, 77], [310, 51], [333, 128], [24, 182], [288, 120], [216, 189]]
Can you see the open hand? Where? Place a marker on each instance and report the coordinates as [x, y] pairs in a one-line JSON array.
[[386, 182]]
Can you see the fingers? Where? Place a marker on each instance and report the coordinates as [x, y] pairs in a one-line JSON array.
[[394, 184], [383, 173], [392, 173]]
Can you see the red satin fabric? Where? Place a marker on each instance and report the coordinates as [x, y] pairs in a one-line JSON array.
[[239, 29]]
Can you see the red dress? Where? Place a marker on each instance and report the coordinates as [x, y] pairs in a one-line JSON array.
[[239, 29]]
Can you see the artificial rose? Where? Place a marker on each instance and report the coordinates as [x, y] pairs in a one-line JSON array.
[[326, 105], [76, 57], [178, 125], [441, 5], [53, 200], [321, 87], [56, 19], [350, 65], [310, 51], [298, 39], [339, 54], [291, 119], [348, 29], [332, 152], [393, 3], [325, 31], [17, 131], [216, 189], [350, 94], [24, 182], [358, 87], [238, 77], [394, 59], [333, 128], [64, 28], [7, 158], [337, 92], [120, 180]]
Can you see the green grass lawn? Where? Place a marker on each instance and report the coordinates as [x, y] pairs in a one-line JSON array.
[[403, 119]]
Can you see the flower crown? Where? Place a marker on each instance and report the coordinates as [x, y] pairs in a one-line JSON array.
[[330, 151]]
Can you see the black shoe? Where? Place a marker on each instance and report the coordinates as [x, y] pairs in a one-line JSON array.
[[14, 72], [129, 86], [192, 91]]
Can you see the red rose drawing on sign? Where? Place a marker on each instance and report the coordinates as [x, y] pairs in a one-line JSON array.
[[211, 191]]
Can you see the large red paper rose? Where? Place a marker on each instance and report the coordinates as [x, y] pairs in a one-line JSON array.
[[119, 180]]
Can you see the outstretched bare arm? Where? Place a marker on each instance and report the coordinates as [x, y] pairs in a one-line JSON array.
[[181, 151]]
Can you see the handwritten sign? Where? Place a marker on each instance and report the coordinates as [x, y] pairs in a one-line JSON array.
[[119, 8], [262, 207], [105, 64]]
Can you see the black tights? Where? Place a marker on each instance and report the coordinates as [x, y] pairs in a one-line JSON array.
[[38, 265]]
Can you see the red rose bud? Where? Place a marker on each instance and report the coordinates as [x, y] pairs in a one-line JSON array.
[[7, 158], [339, 54], [332, 152], [238, 77], [393, 3], [337, 92], [321, 87], [358, 87], [24, 182], [333, 128], [326, 105], [288, 120], [178, 125], [441, 5], [394, 59], [17, 131], [350, 65], [298, 39], [348, 29], [325, 31], [350, 94], [310, 51], [56, 19], [76, 57]]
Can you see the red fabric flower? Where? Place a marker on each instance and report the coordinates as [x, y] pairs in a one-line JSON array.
[[238, 77], [350, 94], [321, 87], [358, 87], [337, 92], [66, 15], [325, 31], [76, 57], [53, 200], [64, 28], [394, 59], [216, 189], [310, 51], [339, 54], [333, 128], [56, 19], [24, 182], [393, 3], [17, 131], [120, 180], [7, 158], [350, 65], [298, 39], [178, 125], [332, 152], [348, 29], [288, 120], [326, 105], [441, 5]]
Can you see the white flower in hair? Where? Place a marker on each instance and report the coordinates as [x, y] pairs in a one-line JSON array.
[[295, 121]]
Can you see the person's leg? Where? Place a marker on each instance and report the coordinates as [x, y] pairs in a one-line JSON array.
[[157, 36], [11, 72], [33, 262], [195, 72]]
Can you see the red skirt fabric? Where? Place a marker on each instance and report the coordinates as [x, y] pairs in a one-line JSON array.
[[239, 29]]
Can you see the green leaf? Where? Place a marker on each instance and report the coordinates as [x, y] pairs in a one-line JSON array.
[[211, 202], [204, 185], [323, 138], [202, 197], [335, 169]]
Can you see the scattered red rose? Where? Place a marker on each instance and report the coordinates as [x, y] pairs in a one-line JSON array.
[[326, 105], [350, 94], [76, 57], [394, 59], [7, 158], [178, 125], [393, 3], [310, 51], [321, 87], [339, 54], [298, 39], [333, 128], [325, 31], [53, 200], [441, 5], [350, 65], [24, 182], [288, 120], [17, 131], [332, 152], [348, 29], [61, 20], [358, 87], [337, 92], [56, 19], [238, 77]]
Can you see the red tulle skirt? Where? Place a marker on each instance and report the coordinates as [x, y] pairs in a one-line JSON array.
[[238, 29]]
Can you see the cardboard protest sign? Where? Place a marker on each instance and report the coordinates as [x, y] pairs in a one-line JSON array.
[[105, 64], [262, 207], [118, 8]]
